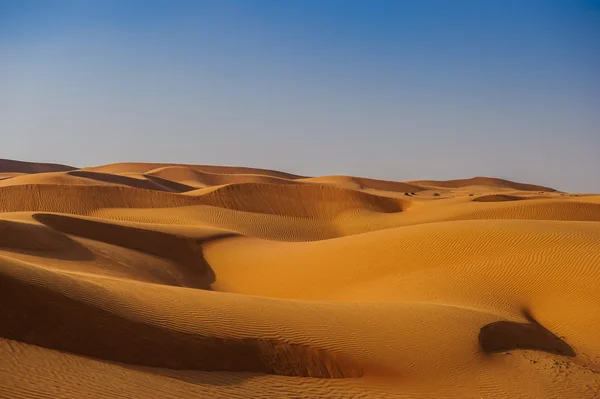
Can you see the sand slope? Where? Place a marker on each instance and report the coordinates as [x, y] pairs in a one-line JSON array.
[[11, 166], [139, 167], [483, 181], [183, 281]]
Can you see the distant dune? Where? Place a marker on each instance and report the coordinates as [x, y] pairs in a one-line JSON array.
[[365, 183], [139, 167], [140, 280], [483, 181], [198, 178], [10, 166]]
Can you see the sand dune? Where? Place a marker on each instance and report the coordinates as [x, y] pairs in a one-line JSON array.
[[83, 199], [81, 177], [9, 175], [365, 183], [182, 281], [198, 178], [57, 178], [306, 201], [309, 201], [497, 198], [10, 166], [140, 167], [482, 181]]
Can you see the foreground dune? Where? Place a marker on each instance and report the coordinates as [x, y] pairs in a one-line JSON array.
[[183, 281]]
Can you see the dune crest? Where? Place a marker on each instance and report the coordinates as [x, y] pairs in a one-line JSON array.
[[141, 167], [483, 181], [11, 166]]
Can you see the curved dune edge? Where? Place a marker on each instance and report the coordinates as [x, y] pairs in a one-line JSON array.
[[562, 210], [359, 183], [198, 177], [11, 166], [120, 339], [497, 198], [312, 201], [502, 336], [86, 178], [307, 201], [54, 178], [140, 167], [9, 175], [282, 228], [150, 183], [181, 249], [33, 237], [482, 181]]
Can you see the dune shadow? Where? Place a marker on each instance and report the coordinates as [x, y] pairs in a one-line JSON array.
[[498, 198], [36, 240], [152, 183], [40, 315], [171, 185], [503, 336], [12, 166], [184, 251]]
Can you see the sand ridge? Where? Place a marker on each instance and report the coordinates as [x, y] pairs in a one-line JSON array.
[[141, 167], [12, 166], [137, 280], [483, 181]]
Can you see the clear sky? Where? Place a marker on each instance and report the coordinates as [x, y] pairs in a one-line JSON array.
[[387, 89]]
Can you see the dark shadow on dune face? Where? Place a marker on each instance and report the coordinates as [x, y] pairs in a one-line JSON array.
[[39, 315], [153, 183], [170, 185], [186, 252], [502, 336], [9, 165], [33, 239], [498, 198]]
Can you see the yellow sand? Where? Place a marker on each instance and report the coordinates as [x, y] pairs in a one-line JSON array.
[[186, 281]]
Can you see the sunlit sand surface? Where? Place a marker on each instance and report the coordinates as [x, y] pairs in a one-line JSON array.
[[141, 280]]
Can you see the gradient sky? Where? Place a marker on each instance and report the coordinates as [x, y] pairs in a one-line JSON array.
[[387, 89]]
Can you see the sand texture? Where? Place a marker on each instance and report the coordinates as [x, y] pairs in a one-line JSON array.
[[138, 280]]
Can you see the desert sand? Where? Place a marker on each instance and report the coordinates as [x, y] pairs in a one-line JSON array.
[[139, 280]]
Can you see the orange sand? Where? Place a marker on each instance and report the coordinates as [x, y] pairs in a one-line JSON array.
[[185, 281]]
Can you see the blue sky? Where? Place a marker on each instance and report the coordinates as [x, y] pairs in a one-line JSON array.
[[386, 89]]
